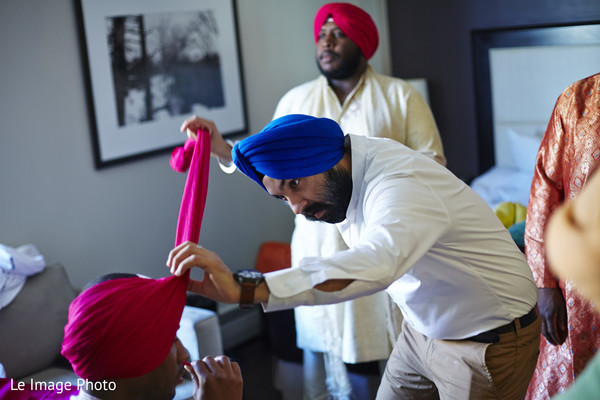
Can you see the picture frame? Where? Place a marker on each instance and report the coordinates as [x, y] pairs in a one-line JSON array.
[[563, 40], [151, 64]]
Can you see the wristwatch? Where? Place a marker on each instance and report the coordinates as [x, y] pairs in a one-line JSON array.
[[248, 279]]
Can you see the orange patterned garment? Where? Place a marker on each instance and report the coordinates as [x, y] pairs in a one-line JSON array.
[[569, 153]]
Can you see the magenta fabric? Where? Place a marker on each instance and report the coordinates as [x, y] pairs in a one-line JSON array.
[[124, 328], [195, 157], [28, 393], [353, 21]]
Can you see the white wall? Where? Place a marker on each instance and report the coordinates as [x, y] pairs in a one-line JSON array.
[[123, 218], [538, 75]]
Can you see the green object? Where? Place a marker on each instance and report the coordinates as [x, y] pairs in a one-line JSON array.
[[586, 385]]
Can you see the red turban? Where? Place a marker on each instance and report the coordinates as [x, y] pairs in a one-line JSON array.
[[123, 328], [353, 21]]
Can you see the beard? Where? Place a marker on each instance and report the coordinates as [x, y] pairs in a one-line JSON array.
[[335, 195], [347, 68]]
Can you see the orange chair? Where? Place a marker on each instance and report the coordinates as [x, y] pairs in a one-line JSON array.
[[273, 256]]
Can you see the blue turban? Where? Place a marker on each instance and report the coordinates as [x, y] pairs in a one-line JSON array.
[[290, 147]]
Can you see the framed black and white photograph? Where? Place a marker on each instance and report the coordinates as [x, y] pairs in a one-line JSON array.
[[151, 64]]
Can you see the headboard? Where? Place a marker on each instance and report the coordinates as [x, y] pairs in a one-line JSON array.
[[519, 73]]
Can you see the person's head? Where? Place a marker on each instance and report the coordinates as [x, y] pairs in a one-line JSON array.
[[122, 328], [572, 236], [345, 37], [302, 160]]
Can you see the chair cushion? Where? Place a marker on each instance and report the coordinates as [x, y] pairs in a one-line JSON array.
[[31, 327]]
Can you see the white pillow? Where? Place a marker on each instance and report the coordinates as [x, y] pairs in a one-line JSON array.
[[523, 150]]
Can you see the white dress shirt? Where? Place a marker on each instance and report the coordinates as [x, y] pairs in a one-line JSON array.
[[415, 229], [366, 328]]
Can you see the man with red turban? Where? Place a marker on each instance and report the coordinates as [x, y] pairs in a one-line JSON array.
[[363, 102]]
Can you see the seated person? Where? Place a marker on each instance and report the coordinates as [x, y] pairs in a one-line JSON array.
[[121, 340]]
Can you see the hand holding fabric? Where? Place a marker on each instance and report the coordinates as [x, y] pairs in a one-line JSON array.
[[553, 310], [218, 147], [217, 284]]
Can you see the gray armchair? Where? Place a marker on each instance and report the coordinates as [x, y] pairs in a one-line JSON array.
[[31, 331]]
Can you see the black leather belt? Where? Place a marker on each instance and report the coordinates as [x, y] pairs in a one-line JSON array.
[[493, 335]]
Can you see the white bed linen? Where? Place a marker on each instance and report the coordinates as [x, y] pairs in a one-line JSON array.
[[500, 184]]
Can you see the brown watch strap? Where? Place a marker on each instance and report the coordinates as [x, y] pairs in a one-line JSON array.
[[247, 295]]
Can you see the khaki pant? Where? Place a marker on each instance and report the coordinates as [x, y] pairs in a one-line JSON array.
[[424, 368]]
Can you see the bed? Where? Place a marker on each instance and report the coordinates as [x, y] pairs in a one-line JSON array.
[[509, 180]]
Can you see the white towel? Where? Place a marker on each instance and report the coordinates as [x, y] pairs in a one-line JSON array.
[[16, 264]]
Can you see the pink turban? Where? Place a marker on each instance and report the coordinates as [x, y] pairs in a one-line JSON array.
[[125, 327], [353, 21]]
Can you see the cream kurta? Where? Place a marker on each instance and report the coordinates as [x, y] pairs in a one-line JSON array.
[[363, 329]]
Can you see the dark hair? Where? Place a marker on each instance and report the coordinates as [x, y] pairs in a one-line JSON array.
[[107, 277]]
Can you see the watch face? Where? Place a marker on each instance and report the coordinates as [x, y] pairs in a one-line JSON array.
[[249, 274]]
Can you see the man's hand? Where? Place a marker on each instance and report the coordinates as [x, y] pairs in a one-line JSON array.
[[553, 311], [216, 379], [218, 147], [217, 284]]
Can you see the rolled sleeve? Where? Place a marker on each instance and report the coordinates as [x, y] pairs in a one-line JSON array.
[[292, 281]]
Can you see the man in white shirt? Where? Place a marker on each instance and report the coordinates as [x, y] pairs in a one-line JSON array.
[[363, 102], [471, 329]]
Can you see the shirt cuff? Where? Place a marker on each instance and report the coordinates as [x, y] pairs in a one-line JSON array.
[[289, 282], [228, 167], [278, 303]]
